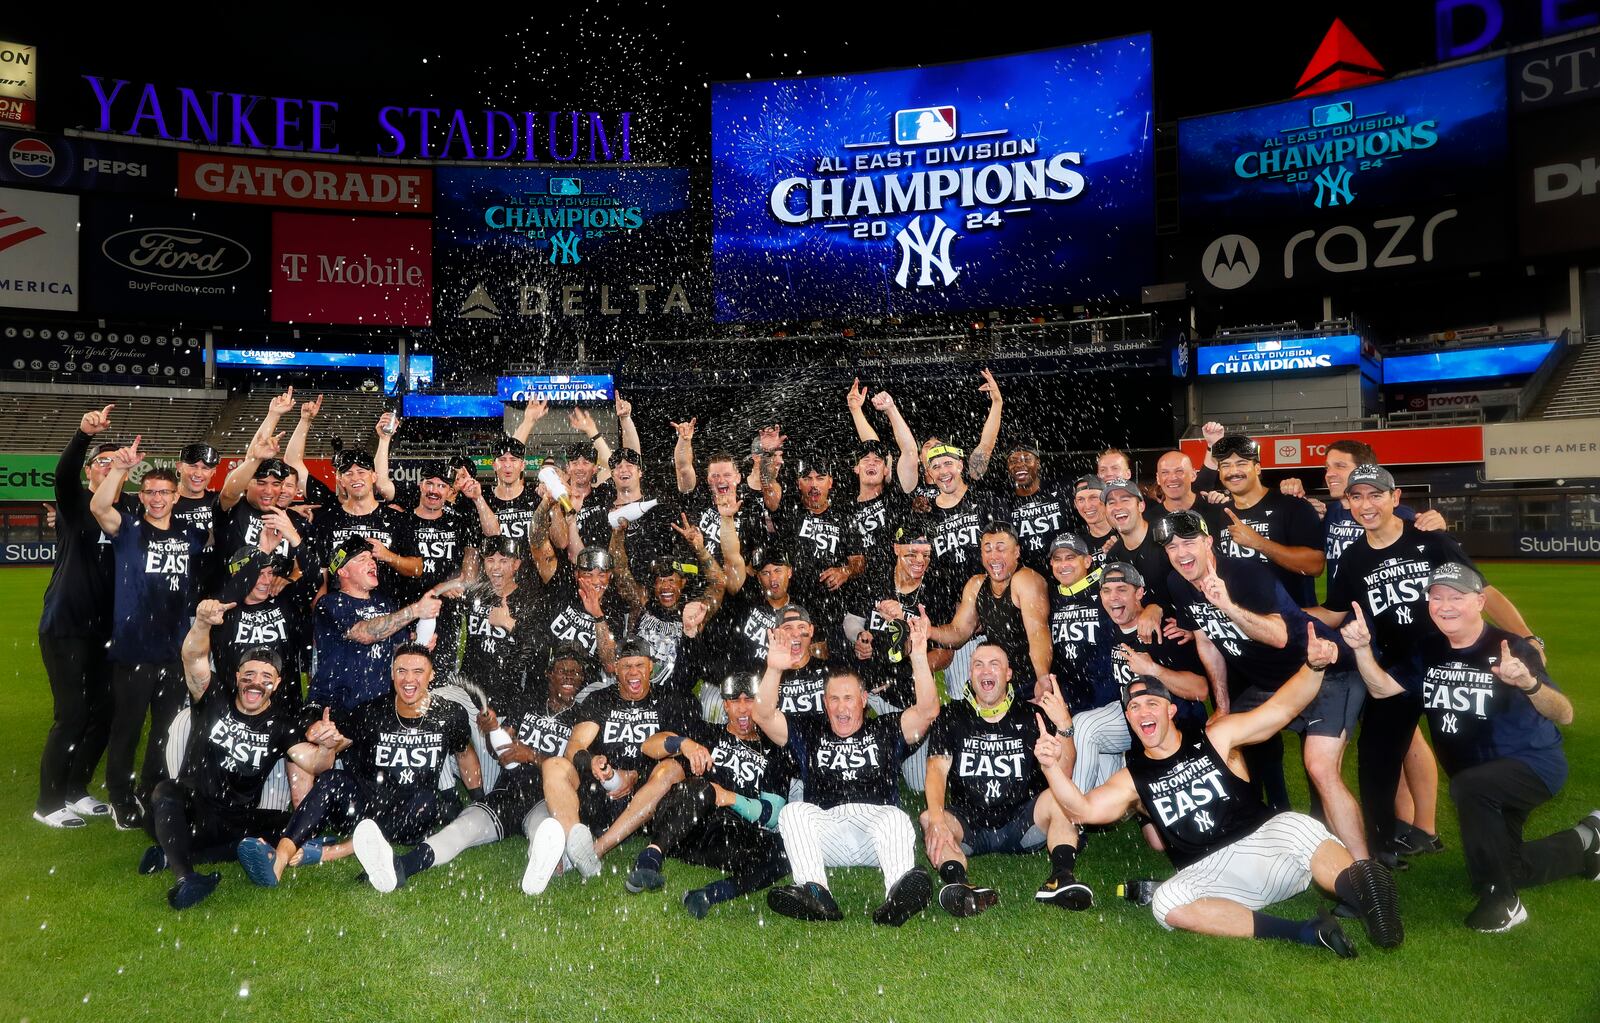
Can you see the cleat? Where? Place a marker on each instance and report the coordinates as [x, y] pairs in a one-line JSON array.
[[374, 852], [966, 900], [62, 818], [643, 879], [129, 816], [1413, 841], [1591, 857], [580, 850], [192, 889], [153, 861], [1332, 937], [803, 902], [88, 806], [544, 852], [907, 898], [1066, 891], [1378, 903], [256, 857], [697, 903], [1497, 912]]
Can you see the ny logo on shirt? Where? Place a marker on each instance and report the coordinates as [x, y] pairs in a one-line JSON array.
[[1205, 820], [1451, 723]]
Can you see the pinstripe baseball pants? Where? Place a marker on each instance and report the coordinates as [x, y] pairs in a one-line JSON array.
[[1269, 865], [849, 835]]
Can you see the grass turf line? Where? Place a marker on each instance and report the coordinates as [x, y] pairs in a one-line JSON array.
[[87, 938]]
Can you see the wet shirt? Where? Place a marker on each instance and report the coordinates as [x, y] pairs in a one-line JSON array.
[[388, 751], [625, 725], [281, 623], [231, 753], [1194, 800], [1038, 520], [156, 575], [532, 724], [560, 616], [888, 672], [957, 543], [863, 767], [349, 673], [442, 544], [1253, 587], [495, 658], [1290, 521], [703, 514], [1080, 649], [240, 526], [1170, 655], [992, 773], [872, 519], [384, 525], [743, 626], [746, 766]]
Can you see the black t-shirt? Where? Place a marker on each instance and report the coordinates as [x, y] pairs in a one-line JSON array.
[[1170, 655], [625, 725], [957, 543], [197, 513], [383, 524], [498, 659], [889, 670], [1196, 803], [703, 514], [801, 690], [1253, 587], [1097, 545], [442, 544], [746, 766], [77, 601], [1150, 558], [1080, 649], [1340, 529], [531, 723], [560, 617], [1391, 585], [1039, 519], [862, 767], [744, 625], [817, 542], [649, 537], [230, 753], [240, 526], [281, 623], [1290, 521], [388, 751], [515, 514], [992, 772], [872, 519]]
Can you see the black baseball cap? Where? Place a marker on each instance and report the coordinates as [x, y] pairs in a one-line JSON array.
[[504, 546], [1151, 686], [566, 650], [1126, 486], [1121, 572], [740, 683], [872, 447], [264, 654], [1187, 524], [1027, 444], [793, 613], [435, 469], [1374, 476], [509, 445], [460, 460], [572, 452], [592, 559], [352, 547], [344, 461], [1236, 444], [1070, 541], [275, 468], [635, 646], [1459, 577], [1088, 481], [199, 454], [771, 554], [813, 462], [105, 447]]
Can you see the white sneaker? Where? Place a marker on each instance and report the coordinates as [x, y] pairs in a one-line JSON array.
[[580, 850], [544, 852], [62, 818], [376, 855], [88, 806]]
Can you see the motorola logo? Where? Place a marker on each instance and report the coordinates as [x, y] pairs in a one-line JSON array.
[[1230, 262]]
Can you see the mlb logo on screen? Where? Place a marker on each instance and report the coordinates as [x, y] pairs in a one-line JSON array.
[[924, 124], [1269, 346], [1286, 451], [566, 186], [1332, 113]]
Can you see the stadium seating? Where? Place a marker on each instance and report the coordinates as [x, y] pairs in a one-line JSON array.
[[347, 415], [43, 417]]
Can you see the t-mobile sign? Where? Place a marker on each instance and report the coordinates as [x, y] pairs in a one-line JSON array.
[[355, 270]]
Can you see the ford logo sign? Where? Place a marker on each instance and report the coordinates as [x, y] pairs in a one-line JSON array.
[[180, 253]]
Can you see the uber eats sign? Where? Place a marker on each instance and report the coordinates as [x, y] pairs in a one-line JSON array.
[[27, 477]]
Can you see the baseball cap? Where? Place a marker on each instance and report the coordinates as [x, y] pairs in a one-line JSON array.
[[1152, 687], [1459, 577], [913, 530], [461, 461], [1110, 487], [635, 646], [793, 613], [813, 462], [352, 547], [1374, 476], [670, 566], [274, 468], [105, 447], [872, 447], [566, 650], [1236, 444], [1121, 572], [1028, 444], [508, 445], [740, 683], [435, 469], [504, 546], [594, 559], [344, 461], [199, 454], [1187, 524], [1069, 541], [1088, 481], [771, 554], [572, 452], [264, 654]]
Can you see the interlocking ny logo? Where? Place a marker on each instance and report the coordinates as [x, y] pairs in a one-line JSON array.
[[564, 247], [933, 251], [1451, 723], [1333, 184], [1205, 820]]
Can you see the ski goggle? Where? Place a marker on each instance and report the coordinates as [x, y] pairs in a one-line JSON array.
[[1185, 524], [1236, 445]]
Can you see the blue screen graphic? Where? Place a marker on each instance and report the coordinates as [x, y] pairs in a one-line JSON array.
[[451, 406], [1384, 145], [420, 366], [1023, 180], [1278, 355], [1468, 364], [563, 389]]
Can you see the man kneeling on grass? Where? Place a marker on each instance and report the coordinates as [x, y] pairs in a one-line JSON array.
[[1234, 857], [235, 743], [393, 751]]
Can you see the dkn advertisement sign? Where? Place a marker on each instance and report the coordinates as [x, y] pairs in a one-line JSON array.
[[1437, 445], [1395, 177], [325, 186], [38, 250], [936, 188], [174, 260], [1558, 179], [354, 270]]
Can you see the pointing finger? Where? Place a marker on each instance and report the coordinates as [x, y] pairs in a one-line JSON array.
[[1232, 516]]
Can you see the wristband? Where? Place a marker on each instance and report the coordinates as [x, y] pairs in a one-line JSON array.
[[674, 743], [580, 761], [476, 792], [1538, 684]]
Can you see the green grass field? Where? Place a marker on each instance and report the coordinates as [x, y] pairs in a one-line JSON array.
[[86, 938]]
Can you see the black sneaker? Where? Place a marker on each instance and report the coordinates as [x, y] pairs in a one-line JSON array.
[[962, 899], [1332, 937], [1497, 912], [128, 816], [697, 902], [1591, 857], [1377, 902], [643, 879], [1411, 840], [1389, 858], [192, 889], [153, 861], [1064, 890], [802, 902], [908, 897]]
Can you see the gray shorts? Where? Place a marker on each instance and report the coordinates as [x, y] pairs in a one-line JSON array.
[[1333, 712], [1018, 835]]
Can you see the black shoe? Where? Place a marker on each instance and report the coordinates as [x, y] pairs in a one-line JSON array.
[[1064, 890], [962, 899], [802, 902], [1497, 911], [1411, 840], [1591, 857], [1377, 902], [1332, 937], [1390, 859], [908, 897], [128, 816], [697, 902], [643, 879], [153, 861], [192, 889]]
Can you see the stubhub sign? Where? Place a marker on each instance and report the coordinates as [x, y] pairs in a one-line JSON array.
[[561, 388], [1279, 355]]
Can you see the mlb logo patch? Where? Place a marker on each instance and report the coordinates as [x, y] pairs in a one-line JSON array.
[[566, 186], [924, 124], [1332, 113]]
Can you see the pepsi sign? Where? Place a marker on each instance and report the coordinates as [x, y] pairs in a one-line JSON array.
[[31, 160]]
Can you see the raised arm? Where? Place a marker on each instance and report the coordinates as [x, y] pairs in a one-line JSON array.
[[916, 719], [622, 574], [855, 400], [294, 456], [533, 412], [103, 505], [960, 628], [907, 469], [683, 457], [978, 461], [630, 430], [382, 485], [1246, 728], [768, 717], [1358, 638], [70, 501], [732, 555], [1106, 804], [197, 646]]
